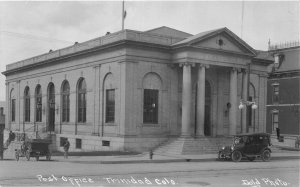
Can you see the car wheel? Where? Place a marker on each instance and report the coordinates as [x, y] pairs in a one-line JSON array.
[[266, 155], [236, 156], [251, 158]]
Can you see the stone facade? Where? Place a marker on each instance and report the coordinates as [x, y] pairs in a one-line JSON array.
[[198, 80]]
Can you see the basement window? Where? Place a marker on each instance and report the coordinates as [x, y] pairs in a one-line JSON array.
[[105, 143]]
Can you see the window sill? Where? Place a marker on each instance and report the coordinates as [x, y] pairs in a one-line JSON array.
[[151, 124], [110, 124]]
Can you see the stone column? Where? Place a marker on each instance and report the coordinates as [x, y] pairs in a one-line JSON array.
[[244, 96], [233, 102], [200, 100], [186, 99]]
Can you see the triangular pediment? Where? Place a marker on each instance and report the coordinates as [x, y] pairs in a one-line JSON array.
[[219, 39], [220, 42]]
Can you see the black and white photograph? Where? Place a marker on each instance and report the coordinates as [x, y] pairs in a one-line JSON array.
[[150, 93]]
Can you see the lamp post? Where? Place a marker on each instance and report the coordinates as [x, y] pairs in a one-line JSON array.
[[245, 102]]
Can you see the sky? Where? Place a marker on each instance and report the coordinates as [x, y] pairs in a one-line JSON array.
[[31, 28]]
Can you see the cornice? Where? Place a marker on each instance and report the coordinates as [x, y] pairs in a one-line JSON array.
[[120, 43]]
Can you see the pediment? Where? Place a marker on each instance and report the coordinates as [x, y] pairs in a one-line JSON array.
[[221, 40]]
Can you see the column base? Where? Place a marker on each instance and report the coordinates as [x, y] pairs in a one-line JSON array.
[[186, 136], [200, 136]]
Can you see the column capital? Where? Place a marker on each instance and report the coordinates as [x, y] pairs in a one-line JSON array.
[[235, 69], [206, 66], [187, 64]]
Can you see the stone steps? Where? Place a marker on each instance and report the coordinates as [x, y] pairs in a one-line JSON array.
[[184, 146]]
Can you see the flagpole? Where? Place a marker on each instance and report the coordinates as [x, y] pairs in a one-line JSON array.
[[123, 15]]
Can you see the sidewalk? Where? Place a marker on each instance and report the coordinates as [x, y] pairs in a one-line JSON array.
[[144, 158]]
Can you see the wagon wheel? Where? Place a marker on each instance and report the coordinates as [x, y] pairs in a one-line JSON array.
[[17, 155], [27, 154], [266, 155], [236, 156]]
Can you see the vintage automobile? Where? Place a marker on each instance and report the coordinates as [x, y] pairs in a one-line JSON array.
[[250, 146], [34, 148]]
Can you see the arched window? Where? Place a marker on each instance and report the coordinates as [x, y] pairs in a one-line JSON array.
[[81, 98], [38, 103], [65, 94], [109, 94], [251, 112], [151, 84], [13, 106], [27, 104]]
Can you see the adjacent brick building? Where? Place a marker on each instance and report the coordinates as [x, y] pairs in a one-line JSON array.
[[133, 90], [283, 103]]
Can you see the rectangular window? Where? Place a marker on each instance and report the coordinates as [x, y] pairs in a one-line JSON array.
[[13, 110], [62, 141], [150, 106], [110, 106], [274, 121], [275, 94], [78, 143]]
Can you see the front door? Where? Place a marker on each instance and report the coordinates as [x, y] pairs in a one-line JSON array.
[[207, 121], [51, 108], [207, 126]]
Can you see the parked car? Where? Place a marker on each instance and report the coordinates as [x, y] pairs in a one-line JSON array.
[[250, 146]]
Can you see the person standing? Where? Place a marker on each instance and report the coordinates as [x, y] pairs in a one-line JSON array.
[[66, 148]]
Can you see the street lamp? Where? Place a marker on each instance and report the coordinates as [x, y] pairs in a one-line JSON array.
[[247, 103]]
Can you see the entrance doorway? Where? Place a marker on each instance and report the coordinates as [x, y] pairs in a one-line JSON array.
[[207, 124], [51, 108]]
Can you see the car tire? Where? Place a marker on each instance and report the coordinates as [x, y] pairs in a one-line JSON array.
[[236, 156], [266, 155], [251, 158]]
